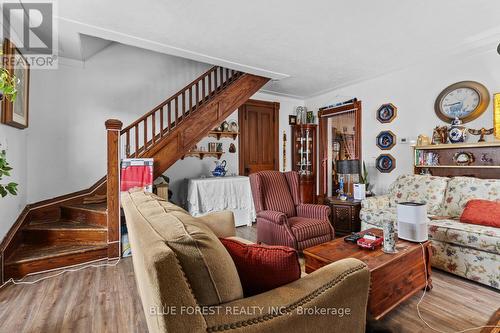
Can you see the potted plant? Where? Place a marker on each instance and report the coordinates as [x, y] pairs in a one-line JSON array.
[[5, 171]]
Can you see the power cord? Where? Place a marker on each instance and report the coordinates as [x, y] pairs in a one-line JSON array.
[[423, 295], [66, 270]]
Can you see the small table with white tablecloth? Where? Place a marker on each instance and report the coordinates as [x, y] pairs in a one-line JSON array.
[[206, 195]]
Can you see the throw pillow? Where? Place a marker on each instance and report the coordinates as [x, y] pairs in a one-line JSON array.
[[261, 267], [483, 212]]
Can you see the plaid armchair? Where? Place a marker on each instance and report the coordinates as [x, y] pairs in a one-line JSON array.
[[281, 218]]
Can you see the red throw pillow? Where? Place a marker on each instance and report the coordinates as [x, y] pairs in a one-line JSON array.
[[261, 267], [483, 212]]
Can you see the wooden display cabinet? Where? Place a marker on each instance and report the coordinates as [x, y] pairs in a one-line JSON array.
[[304, 160]]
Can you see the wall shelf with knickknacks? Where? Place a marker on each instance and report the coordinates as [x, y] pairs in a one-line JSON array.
[[481, 160]]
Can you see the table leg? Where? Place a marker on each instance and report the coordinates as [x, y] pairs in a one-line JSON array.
[[428, 256]]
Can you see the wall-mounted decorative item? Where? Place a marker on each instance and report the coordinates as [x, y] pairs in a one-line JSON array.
[[386, 113], [310, 117], [233, 126], [385, 163], [481, 132], [496, 115], [211, 147], [457, 132], [292, 120], [232, 148], [386, 140], [218, 147], [423, 140], [463, 158], [465, 100], [440, 135], [15, 111]]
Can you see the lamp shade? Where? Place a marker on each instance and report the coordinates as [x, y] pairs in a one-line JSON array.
[[348, 167]]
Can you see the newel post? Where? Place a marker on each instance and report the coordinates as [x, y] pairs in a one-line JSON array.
[[113, 128]]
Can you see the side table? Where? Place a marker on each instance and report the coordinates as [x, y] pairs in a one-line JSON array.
[[345, 215]]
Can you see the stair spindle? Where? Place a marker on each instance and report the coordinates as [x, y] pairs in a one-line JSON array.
[[183, 104], [161, 122], [203, 94], [127, 144], [153, 125], [216, 83], [169, 116], [197, 95], [210, 84], [190, 99], [176, 111], [221, 74], [145, 134], [136, 128]]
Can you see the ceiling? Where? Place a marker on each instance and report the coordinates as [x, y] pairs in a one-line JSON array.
[[309, 47]]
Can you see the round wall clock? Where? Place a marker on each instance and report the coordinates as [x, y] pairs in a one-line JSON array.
[[465, 100], [385, 163]]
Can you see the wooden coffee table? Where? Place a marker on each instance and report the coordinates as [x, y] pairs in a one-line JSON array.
[[394, 277]]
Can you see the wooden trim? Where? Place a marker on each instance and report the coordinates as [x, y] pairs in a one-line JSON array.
[[113, 128], [241, 140]]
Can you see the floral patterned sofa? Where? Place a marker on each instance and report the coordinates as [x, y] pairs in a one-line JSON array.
[[468, 250]]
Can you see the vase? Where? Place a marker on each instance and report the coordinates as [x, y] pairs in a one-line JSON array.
[[390, 237]]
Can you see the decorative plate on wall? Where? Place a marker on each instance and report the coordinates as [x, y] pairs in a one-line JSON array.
[[387, 113], [465, 100], [385, 163], [386, 140]]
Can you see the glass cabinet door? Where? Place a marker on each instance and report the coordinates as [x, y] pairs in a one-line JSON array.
[[304, 150]]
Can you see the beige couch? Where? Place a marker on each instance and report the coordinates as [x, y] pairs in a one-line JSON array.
[[468, 250], [188, 282]]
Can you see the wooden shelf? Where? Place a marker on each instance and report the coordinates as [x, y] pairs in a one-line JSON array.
[[218, 134], [460, 166], [459, 145], [202, 154]]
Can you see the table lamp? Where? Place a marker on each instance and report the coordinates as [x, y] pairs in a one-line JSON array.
[[347, 168]]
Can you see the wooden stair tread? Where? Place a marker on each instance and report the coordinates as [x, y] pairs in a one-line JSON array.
[[28, 252], [62, 225], [97, 208]]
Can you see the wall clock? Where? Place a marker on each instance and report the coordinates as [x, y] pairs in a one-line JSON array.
[[386, 140], [385, 163], [464, 100]]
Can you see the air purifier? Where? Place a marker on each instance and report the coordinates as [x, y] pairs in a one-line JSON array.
[[412, 221]]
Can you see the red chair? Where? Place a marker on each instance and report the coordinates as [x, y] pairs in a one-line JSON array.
[[281, 218]]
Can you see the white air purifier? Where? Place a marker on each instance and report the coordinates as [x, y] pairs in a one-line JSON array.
[[412, 221]]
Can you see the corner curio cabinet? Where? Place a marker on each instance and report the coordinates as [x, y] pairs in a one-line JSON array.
[[304, 160]]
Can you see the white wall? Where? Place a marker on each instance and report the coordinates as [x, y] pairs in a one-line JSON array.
[[68, 108], [192, 167], [413, 91], [13, 141]]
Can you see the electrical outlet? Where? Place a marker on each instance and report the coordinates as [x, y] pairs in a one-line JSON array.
[[404, 141]]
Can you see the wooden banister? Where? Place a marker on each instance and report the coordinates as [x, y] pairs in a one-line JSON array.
[[113, 128], [182, 106]]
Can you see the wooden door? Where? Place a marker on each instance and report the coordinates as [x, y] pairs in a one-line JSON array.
[[258, 139]]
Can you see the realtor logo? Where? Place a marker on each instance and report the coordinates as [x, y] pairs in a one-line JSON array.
[[31, 27]]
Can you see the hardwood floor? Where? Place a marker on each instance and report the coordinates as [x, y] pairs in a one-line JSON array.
[[105, 299]]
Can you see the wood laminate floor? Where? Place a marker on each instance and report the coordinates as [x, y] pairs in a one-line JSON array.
[[105, 299]]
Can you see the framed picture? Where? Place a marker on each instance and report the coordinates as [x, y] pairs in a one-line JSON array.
[[16, 113], [386, 140], [386, 113], [292, 120], [310, 117], [385, 163]]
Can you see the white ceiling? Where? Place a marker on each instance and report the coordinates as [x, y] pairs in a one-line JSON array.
[[310, 46]]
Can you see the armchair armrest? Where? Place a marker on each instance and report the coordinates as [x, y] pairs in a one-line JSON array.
[[221, 223], [273, 216], [319, 212], [377, 202], [336, 295]]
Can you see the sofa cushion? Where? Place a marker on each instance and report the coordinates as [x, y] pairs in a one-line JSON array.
[[304, 228], [262, 267], [461, 190], [482, 212], [376, 217], [207, 265], [464, 234], [420, 188]]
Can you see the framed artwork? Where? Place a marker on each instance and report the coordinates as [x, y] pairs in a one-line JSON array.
[[386, 113], [385, 163], [496, 115], [16, 114], [292, 120], [386, 140]]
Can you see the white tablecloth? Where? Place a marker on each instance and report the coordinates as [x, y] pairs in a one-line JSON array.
[[206, 195]]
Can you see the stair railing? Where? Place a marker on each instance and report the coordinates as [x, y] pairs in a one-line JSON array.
[[140, 136]]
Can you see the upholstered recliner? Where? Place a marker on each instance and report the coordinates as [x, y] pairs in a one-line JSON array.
[[281, 218]]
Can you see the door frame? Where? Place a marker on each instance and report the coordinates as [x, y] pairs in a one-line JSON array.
[[241, 120]]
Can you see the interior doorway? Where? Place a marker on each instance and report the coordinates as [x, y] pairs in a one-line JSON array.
[[258, 140]]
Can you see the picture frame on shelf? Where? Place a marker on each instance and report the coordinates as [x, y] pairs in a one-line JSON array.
[[292, 120]]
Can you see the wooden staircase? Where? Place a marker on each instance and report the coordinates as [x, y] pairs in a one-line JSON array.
[[64, 231]]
